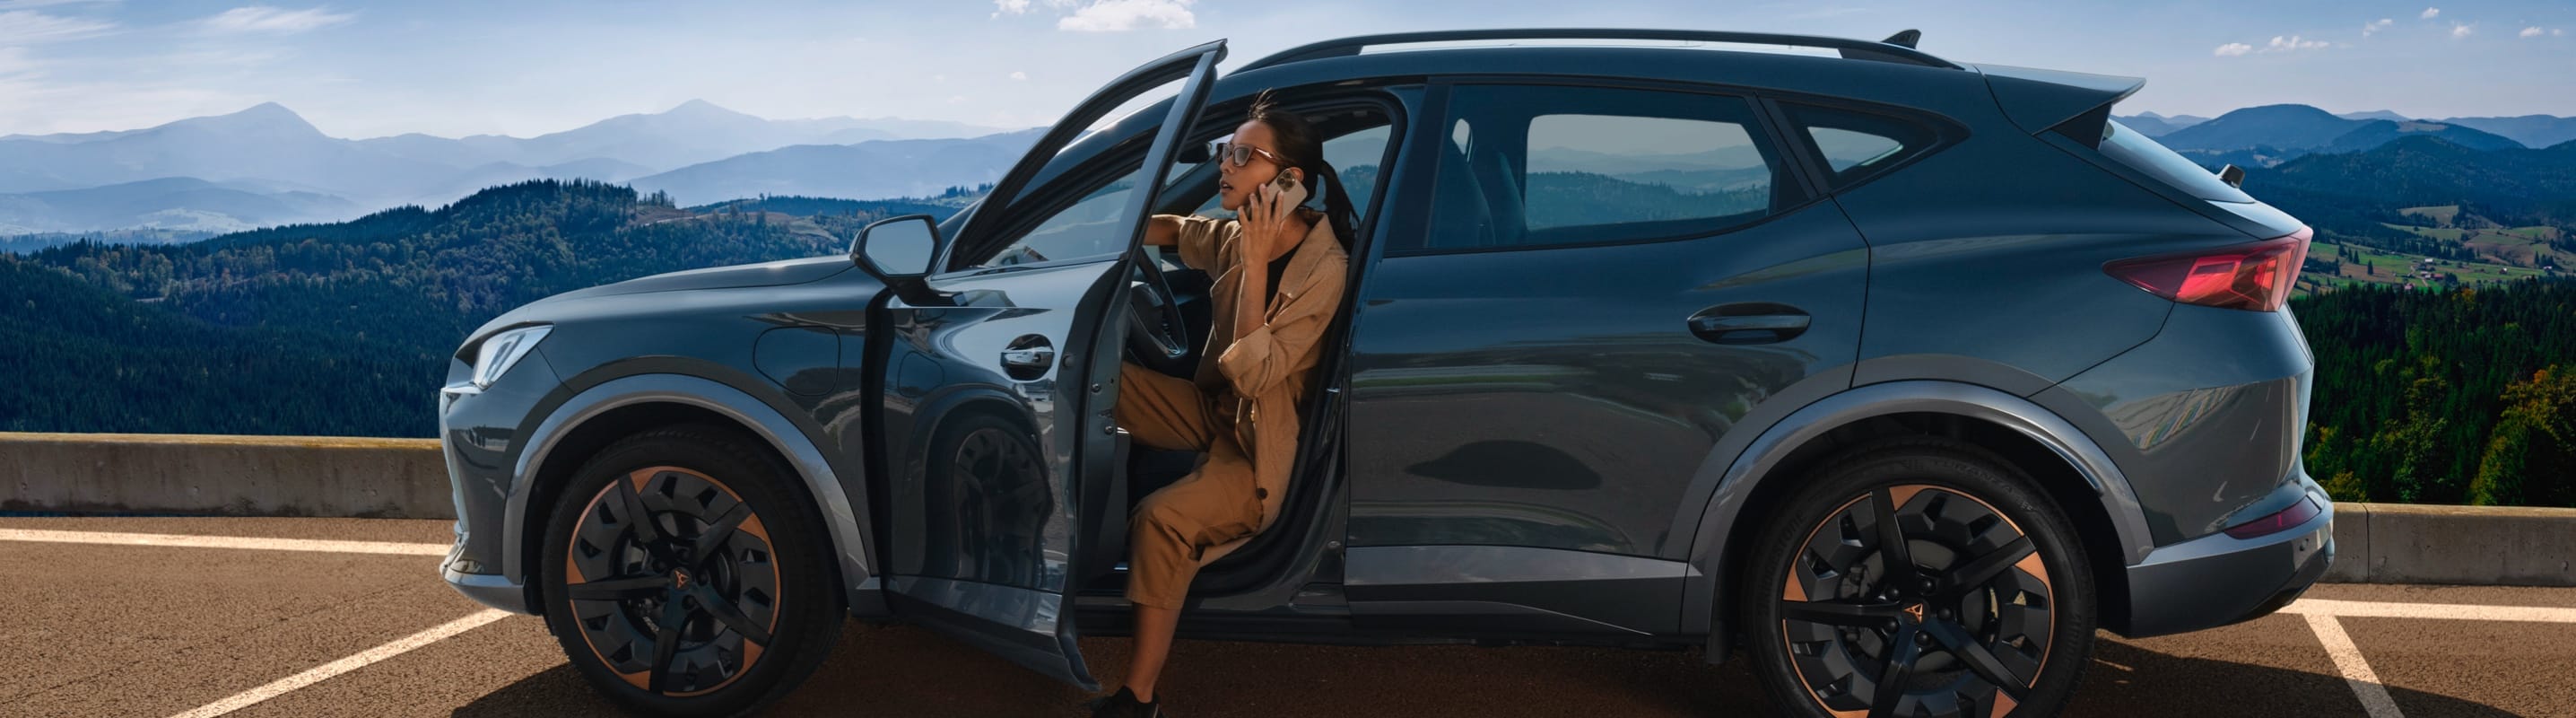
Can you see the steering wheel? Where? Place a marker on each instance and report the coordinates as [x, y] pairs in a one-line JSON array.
[[1157, 334]]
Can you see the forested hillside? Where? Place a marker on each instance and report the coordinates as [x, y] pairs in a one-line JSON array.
[[341, 329], [2461, 396]]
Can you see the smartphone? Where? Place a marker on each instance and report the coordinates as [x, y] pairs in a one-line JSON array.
[[1290, 191]]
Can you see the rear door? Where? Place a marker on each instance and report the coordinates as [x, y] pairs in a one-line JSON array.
[[1606, 281], [985, 427]]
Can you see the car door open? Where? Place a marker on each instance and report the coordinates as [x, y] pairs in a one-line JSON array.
[[989, 400]]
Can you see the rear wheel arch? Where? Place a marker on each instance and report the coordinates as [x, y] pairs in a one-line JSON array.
[[2011, 429]]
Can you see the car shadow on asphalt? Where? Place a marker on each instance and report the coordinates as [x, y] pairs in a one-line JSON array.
[[909, 671]]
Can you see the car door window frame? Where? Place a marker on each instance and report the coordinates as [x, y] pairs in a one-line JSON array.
[[1811, 160], [1788, 175], [1057, 195]]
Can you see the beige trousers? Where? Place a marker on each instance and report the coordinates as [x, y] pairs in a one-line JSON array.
[[1213, 505]]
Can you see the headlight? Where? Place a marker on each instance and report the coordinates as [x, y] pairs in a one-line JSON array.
[[501, 350]]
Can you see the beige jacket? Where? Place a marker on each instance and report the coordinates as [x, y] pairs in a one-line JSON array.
[[1271, 365]]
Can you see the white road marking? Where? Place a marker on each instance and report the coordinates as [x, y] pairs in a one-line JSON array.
[[241, 542], [325, 671], [2452, 611], [2347, 658]]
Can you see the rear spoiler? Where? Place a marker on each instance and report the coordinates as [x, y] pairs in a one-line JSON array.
[[2074, 103]]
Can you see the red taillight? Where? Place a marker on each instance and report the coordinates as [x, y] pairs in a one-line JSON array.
[[2279, 521], [2256, 276]]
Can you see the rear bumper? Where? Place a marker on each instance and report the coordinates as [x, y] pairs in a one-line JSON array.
[[2219, 579]]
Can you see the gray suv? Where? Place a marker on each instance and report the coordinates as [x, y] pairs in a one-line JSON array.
[[1898, 375]]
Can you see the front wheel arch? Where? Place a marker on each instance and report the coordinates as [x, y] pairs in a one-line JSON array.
[[613, 409]]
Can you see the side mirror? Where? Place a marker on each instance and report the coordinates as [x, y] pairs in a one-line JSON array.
[[896, 249]]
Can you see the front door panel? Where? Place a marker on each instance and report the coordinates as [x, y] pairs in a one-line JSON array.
[[981, 517], [986, 422]]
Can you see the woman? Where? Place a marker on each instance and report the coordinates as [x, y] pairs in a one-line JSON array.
[[1280, 272]]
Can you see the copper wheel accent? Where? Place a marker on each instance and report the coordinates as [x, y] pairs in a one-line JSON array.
[[1917, 600], [671, 581]]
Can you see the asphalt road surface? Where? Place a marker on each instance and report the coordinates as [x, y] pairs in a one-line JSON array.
[[241, 617]]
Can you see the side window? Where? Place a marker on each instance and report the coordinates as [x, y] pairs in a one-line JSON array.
[[1088, 227], [1856, 145], [1538, 166]]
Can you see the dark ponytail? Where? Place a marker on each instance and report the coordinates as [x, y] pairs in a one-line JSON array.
[[1299, 145]]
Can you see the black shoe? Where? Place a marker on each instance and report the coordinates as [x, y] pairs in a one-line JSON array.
[[1123, 704]]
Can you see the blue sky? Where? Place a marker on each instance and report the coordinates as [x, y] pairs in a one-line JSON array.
[[360, 69]]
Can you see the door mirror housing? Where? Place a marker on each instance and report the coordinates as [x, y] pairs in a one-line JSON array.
[[897, 249]]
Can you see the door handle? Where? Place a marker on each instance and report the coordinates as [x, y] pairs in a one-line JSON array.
[[1028, 357], [1749, 323]]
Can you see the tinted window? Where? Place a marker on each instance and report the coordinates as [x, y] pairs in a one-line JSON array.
[[1553, 166], [1090, 226], [1856, 145], [2146, 155]]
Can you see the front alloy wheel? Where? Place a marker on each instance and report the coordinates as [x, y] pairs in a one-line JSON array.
[[1923, 580], [685, 575]]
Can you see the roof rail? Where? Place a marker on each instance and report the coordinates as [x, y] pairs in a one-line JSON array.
[[1897, 48]]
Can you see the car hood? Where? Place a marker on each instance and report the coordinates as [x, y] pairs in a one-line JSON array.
[[765, 274]]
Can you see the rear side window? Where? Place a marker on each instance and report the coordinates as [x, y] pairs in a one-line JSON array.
[[1540, 166], [2144, 154], [1858, 145]]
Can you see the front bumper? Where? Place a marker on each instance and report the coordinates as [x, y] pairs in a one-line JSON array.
[[480, 438], [495, 591], [2219, 579]]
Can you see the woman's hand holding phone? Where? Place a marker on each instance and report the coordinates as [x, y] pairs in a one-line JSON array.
[[1265, 217]]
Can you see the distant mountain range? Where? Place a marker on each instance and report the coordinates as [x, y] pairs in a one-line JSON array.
[[2296, 126], [266, 165], [882, 168], [177, 203]]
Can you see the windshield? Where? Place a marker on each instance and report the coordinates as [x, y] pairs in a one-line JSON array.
[[2144, 154]]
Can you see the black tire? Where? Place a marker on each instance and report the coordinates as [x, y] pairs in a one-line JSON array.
[[772, 569], [1991, 629]]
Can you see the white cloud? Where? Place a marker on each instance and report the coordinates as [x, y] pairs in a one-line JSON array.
[[2532, 31], [18, 27], [2460, 30], [13, 60], [263, 18], [1123, 15], [2376, 26], [1013, 7], [1018, 75], [2293, 43], [2234, 49], [2432, 12]]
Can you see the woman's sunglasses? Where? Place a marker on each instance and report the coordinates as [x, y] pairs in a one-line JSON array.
[[1240, 155]]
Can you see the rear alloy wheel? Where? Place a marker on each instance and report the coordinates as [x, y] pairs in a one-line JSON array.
[[1923, 579], [684, 575]]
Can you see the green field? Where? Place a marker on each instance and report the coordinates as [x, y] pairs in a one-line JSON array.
[[2443, 214], [2397, 269]]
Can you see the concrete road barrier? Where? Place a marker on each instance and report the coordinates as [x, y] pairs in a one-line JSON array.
[[224, 475], [406, 478], [2404, 543]]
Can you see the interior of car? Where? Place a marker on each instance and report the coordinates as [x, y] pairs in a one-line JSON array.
[[1357, 134]]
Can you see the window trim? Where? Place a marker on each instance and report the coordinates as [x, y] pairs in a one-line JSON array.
[[1444, 113], [1947, 133]]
